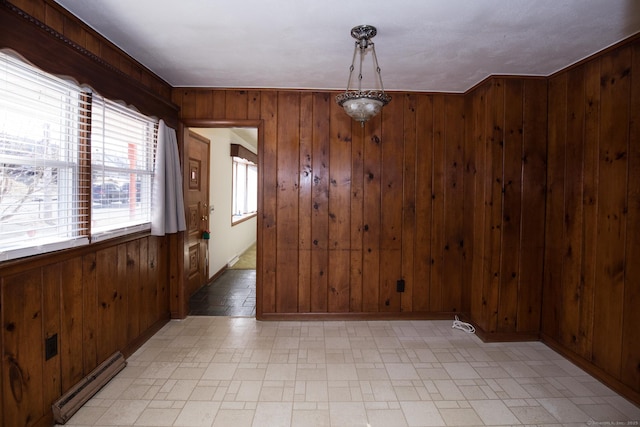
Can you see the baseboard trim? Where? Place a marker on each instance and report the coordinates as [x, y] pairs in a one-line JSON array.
[[356, 316], [501, 336], [593, 370], [217, 274]]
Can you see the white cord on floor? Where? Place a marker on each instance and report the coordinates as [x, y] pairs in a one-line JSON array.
[[467, 327]]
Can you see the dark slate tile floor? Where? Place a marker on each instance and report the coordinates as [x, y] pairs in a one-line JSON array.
[[231, 294]]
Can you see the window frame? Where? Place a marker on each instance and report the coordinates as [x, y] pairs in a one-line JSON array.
[[81, 174], [146, 148], [240, 155]]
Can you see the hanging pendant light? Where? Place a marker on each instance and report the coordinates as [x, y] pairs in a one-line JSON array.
[[360, 104]]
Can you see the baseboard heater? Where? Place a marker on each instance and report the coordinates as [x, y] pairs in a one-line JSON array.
[[71, 401]]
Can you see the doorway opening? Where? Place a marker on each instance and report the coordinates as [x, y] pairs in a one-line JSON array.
[[233, 245]]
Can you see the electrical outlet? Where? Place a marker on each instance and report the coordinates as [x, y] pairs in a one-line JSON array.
[[400, 285]]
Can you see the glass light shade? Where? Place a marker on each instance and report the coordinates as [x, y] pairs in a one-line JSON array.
[[362, 105], [362, 109]]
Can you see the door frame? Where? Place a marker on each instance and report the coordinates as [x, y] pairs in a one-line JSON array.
[[180, 308]]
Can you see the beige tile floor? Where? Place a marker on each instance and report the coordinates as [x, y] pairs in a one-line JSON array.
[[239, 372]]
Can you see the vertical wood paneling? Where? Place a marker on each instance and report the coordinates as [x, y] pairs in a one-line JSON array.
[[409, 201], [356, 217], [236, 104], [469, 191], [55, 19], [494, 184], [304, 202], [74, 31], [571, 250], [219, 104], [555, 204], [504, 196], [266, 295], [60, 300], [22, 361], [424, 160], [391, 209], [320, 203], [534, 159], [188, 103], [51, 369], [453, 204], [148, 300], [478, 105], [112, 319], [590, 205], [34, 8], [339, 210], [287, 202], [437, 205], [159, 272], [90, 313], [612, 210], [630, 372], [203, 103], [253, 105], [511, 214], [590, 281], [71, 332], [372, 222], [133, 289]]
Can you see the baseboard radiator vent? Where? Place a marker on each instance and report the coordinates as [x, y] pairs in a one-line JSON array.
[[71, 401]]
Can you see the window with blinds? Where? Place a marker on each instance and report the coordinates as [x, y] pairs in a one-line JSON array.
[[74, 166], [244, 189], [122, 150], [43, 140]]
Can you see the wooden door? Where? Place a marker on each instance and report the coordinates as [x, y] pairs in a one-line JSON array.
[[197, 210]]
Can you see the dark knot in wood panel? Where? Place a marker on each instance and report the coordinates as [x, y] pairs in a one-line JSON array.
[[16, 380]]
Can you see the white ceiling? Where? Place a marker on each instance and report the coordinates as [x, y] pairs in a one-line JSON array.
[[422, 45]]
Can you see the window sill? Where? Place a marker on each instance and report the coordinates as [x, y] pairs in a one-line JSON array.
[[239, 219]]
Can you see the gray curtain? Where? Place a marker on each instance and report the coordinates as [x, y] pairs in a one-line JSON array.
[[167, 203]]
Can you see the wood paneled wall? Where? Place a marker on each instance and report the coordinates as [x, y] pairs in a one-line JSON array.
[[505, 171], [592, 274], [348, 211], [94, 303], [94, 300]]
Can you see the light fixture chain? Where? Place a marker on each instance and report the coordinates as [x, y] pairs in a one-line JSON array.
[[362, 51], [376, 66], [352, 67]]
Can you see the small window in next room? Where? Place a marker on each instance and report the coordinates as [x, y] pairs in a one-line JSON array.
[[245, 185]]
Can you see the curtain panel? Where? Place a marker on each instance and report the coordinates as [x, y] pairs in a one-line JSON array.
[[167, 203]]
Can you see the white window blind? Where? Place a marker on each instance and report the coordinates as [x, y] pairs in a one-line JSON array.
[[245, 189], [122, 150], [42, 141]]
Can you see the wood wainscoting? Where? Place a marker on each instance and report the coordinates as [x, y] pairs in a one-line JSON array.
[[591, 297], [89, 303]]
